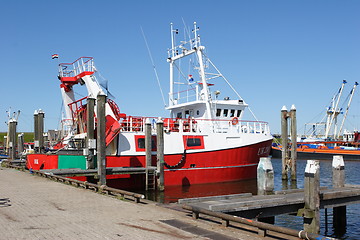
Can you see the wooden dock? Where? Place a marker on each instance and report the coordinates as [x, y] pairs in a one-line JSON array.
[[262, 208], [75, 172], [282, 202]]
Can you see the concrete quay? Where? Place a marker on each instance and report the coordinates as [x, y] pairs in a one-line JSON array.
[[43, 209]]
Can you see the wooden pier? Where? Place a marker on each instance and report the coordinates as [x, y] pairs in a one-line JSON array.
[[282, 202], [305, 203]]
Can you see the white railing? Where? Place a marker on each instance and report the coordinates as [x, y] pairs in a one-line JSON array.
[[83, 64], [203, 126]]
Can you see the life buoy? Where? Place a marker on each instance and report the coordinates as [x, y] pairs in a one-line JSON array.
[[234, 121]]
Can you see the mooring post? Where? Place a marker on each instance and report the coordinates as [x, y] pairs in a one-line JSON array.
[[147, 151], [265, 176], [338, 171], [90, 133], [160, 153], [284, 143], [101, 144], [311, 211], [6, 145], [339, 213], [40, 127], [20, 145], [36, 133], [265, 183], [293, 143], [12, 138]]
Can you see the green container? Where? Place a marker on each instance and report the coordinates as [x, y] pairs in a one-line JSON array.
[[71, 161]]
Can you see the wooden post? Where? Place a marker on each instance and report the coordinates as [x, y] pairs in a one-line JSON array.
[[36, 133], [284, 138], [6, 145], [90, 133], [160, 153], [20, 145], [12, 139], [339, 213], [311, 212], [147, 151], [40, 130], [265, 183], [293, 143], [101, 144]]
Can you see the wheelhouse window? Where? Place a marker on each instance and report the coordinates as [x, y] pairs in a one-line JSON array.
[[238, 113], [193, 142], [218, 112], [226, 112], [232, 113], [140, 143], [179, 115]]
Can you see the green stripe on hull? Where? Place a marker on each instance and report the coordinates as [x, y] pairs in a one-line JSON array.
[[71, 161]]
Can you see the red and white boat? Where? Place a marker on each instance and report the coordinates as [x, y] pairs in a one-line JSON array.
[[205, 138]]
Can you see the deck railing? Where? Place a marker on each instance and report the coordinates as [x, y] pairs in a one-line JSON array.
[[137, 124]]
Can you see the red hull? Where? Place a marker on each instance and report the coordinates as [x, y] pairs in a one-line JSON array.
[[196, 168]]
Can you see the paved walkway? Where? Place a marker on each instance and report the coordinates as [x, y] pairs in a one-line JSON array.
[[44, 209]]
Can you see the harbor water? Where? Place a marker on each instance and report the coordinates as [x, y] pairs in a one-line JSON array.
[[352, 168]]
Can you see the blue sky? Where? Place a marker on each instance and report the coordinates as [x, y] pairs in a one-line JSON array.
[[274, 52]]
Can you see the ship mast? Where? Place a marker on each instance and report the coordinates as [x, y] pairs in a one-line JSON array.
[[175, 55], [333, 112], [347, 109]]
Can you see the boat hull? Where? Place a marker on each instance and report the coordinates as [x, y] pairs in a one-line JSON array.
[[195, 167], [320, 154]]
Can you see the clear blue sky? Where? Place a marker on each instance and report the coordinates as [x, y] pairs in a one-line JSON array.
[[274, 52]]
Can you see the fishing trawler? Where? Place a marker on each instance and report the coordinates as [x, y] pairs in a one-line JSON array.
[[205, 138]]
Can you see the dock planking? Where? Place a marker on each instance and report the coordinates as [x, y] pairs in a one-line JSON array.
[[282, 202]]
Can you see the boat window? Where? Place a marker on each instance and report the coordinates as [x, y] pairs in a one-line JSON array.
[[226, 112], [232, 112], [198, 112], [140, 143], [179, 115], [238, 113], [188, 113], [193, 142], [218, 112]]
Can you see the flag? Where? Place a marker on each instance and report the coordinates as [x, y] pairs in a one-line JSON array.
[[191, 79], [54, 56]]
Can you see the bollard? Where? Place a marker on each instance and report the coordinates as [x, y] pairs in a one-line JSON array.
[[284, 143], [20, 145], [160, 153], [311, 211], [101, 144], [40, 129], [265, 183], [338, 171], [265, 176], [90, 133], [339, 213], [293, 143], [36, 133], [12, 139], [147, 151]]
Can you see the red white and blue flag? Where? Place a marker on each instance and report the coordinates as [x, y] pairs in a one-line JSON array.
[[54, 56], [191, 79]]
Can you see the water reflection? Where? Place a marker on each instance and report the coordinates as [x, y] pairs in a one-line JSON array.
[[174, 193]]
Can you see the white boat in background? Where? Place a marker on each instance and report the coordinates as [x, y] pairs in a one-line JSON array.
[[205, 138]]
